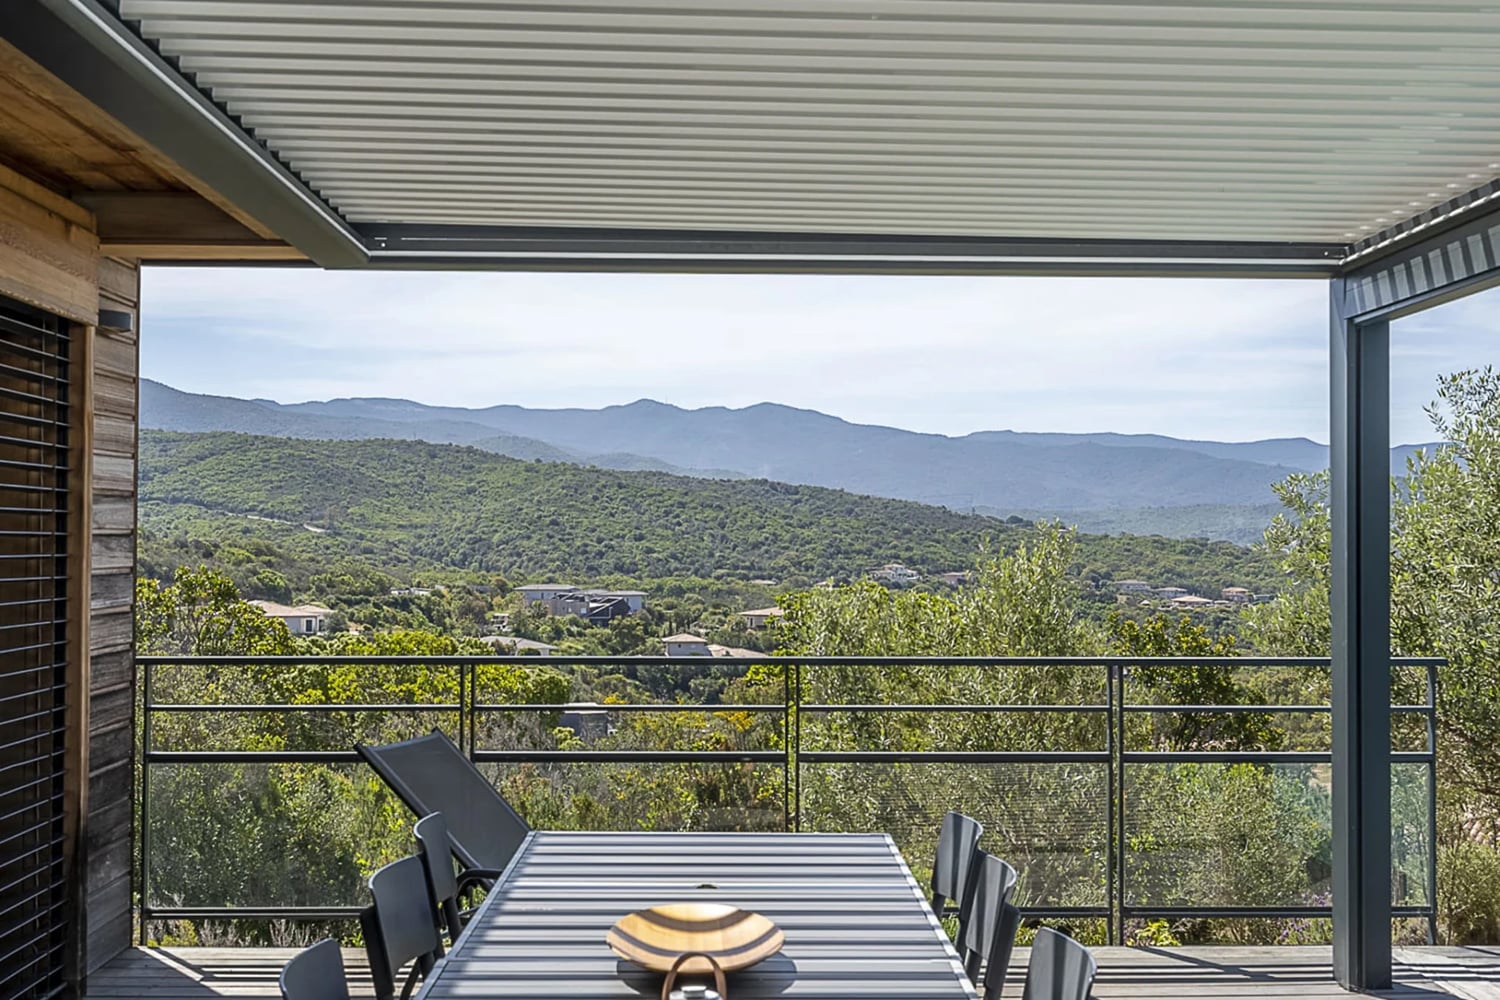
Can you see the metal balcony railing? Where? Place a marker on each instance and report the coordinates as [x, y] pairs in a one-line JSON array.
[[1073, 791]]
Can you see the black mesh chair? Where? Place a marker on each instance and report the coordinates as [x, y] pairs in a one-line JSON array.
[[430, 774], [399, 927], [1060, 968], [317, 973], [435, 848], [987, 912], [957, 849]]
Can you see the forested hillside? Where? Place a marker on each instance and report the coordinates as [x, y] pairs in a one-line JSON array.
[[401, 506]]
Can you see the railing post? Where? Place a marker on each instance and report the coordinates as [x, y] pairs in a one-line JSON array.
[[473, 713], [1117, 801], [786, 746], [1432, 884], [463, 711], [145, 820], [797, 748]]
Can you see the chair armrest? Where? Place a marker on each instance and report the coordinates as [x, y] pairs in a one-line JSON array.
[[470, 877]]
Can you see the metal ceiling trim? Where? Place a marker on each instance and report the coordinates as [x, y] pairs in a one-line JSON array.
[[92, 51], [536, 248], [1452, 213], [1451, 262]]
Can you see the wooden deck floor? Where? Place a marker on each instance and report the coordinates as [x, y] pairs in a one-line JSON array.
[[1199, 973]]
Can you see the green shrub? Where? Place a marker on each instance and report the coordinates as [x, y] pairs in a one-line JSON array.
[[1469, 893]]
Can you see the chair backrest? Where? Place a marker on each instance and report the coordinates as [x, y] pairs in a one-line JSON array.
[[1060, 968], [431, 775], [983, 916], [404, 929], [317, 973], [435, 848], [958, 845]]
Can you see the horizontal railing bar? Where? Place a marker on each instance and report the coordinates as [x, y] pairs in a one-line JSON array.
[[250, 912], [1207, 912], [176, 706], [252, 757], [1254, 756], [806, 661], [630, 756], [351, 912], [952, 757], [953, 707], [806, 756], [609, 707], [349, 756], [1266, 709], [1064, 911], [1226, 756]]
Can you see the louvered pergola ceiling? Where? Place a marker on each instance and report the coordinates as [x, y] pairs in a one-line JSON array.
[[1313, 123]]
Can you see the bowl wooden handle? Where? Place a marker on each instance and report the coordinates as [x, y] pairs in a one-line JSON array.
[[719, 984]]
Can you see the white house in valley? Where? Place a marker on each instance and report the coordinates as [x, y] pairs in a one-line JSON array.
[[685, 644], [895, 575], [534, 592], [302, 619], [758, 618]]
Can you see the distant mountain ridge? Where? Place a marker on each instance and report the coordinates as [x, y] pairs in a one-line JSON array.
[[1102, 477], [166, 408]]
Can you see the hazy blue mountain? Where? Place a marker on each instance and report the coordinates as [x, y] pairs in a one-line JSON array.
[[168, 409], [1295, 453], [1155, 483]]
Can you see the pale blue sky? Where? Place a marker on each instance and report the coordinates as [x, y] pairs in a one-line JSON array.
[[1225, 360]]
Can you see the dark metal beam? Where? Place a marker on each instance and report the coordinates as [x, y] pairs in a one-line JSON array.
[[1360, 499], [1445, 260], [88, 49], [588, 249]]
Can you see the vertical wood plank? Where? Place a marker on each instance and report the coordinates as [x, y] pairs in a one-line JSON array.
[[79, 672], [114, 407]]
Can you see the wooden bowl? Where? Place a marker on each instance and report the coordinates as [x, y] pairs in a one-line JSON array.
[[654, 938]]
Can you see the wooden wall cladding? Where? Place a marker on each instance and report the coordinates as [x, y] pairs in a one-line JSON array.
[[109, 837]]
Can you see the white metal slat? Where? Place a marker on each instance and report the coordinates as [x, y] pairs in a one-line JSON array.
[[957, 112]]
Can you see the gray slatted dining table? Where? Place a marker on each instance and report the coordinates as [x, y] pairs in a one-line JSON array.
[[857, 925]]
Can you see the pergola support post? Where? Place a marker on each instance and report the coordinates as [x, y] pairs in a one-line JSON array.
[[1360, 509]]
